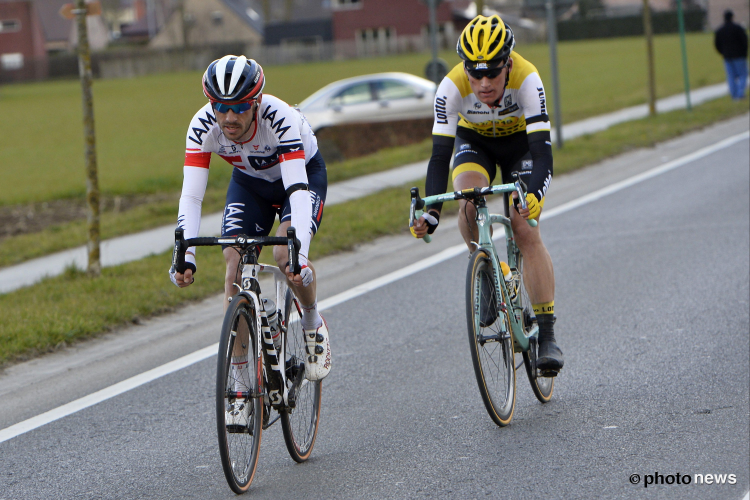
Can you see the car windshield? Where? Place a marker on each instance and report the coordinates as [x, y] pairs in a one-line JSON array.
[[391, 89], [356, 94]]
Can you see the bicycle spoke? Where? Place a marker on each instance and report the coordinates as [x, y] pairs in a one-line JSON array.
[[491, 347], [300, 423]]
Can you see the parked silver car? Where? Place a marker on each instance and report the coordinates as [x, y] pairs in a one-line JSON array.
[[370, 98]]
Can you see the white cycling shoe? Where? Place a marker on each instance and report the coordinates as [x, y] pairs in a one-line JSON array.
[[318, 347], [237, 415]]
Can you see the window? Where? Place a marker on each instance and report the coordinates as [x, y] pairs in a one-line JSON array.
[[217, 17], [12, 61], [10, 25], [391, 89], [356, 94]]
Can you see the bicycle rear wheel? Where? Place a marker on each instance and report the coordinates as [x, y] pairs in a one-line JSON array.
[[542, 386], [239, 436], [300, 423], [491, 349]]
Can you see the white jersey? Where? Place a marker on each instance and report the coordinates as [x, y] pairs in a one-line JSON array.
[[281, 133], [280, 146]]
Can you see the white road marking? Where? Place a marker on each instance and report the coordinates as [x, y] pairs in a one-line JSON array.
[[207, 352]]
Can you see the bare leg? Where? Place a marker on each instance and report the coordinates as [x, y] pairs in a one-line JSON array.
[[305, 294], [233, 274], [538, 273], [467, 223]]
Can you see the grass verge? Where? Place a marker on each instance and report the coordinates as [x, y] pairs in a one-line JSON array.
[[72, 306], [140, 135], [17, 249]]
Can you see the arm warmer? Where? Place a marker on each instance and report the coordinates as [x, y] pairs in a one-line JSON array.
[[540, 147], [302, 221], [439, 167], [189, 216]]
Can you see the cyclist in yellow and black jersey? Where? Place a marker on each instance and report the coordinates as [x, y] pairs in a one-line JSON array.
[[491, 110]]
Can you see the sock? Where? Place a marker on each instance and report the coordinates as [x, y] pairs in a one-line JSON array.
[[545, 318], [311, 319], [237, 373]]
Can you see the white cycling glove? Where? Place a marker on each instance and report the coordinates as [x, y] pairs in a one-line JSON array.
[[189, 262], [307, 275], [172, 273]]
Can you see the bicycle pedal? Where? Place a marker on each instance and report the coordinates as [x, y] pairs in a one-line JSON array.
[[238, 429], [547, 373]]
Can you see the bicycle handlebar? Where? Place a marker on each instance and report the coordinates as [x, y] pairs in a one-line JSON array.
[[181, 245], [417, 203]]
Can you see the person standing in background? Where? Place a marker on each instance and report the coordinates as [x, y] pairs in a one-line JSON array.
[[731, 42]]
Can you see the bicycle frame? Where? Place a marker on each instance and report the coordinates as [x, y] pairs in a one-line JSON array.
[[250, 274], [484, 222]]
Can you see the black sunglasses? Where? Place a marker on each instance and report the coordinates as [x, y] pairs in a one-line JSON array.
[[478, 74]]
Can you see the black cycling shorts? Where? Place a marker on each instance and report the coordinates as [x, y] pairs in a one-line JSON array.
[[477, 153], [253, 204]]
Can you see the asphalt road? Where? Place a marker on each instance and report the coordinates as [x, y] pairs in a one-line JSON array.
[[653, 315]]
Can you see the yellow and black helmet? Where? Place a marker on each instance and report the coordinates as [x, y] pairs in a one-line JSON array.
[[485, 41]]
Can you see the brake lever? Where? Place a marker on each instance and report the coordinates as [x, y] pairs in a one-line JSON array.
[[293, 246], [416, 211], [178, 255], [521, 189]]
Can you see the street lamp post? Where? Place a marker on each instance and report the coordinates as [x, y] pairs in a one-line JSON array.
[[552, 39]]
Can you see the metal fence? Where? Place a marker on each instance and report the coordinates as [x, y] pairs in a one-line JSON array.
[[129, 62], [132, 62]]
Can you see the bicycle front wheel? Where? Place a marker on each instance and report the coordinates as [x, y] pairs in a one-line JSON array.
[[300, 423], [239, 406], [542, 386], [491, 349]]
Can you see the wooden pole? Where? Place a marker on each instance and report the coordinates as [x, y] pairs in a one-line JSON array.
[[92, 181], [649, 32]]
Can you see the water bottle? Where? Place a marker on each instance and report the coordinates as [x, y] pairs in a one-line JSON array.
[[510, 280], [273, 322]]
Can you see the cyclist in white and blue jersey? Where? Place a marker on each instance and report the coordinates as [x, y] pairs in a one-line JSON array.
[[277, 170]]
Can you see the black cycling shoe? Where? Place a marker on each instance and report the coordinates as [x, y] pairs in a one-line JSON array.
[[488, 303], [549, 358]]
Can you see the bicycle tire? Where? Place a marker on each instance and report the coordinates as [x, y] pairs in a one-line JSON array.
[[300, 424], [491, 350], [542, 386], [239, 446]]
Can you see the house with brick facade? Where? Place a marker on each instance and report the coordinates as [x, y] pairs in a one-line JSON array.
[[385, 25], [22, 52]]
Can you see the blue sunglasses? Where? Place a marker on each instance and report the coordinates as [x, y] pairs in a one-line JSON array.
[[237, 108]]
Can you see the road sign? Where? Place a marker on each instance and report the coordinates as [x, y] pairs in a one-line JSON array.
[[68, 11], [436, 70]]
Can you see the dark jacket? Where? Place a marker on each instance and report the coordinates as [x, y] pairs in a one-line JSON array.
[[731, 41]]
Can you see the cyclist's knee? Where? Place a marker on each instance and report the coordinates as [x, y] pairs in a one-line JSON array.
[[525, 235], [232, 259]]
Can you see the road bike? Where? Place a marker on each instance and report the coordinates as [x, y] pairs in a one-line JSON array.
[[260, 375], [499, 314]]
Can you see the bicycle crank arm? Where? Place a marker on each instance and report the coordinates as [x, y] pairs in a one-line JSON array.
[[269, 424], [294, 389]]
